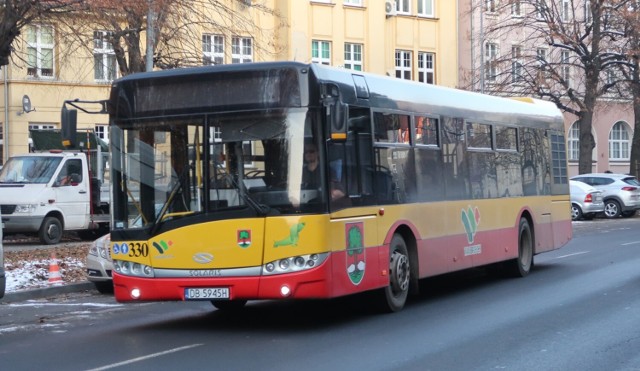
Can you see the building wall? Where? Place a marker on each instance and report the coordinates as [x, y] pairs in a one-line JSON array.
[[287, 37]]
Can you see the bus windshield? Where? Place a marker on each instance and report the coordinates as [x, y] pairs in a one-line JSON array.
[[172, 168]]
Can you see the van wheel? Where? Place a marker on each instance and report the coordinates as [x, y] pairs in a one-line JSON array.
[[50, 231], [521, 266], [395, 295]]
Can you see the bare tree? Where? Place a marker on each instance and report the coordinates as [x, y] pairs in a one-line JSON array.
[[16, 14], [178, 29], [560, 51]]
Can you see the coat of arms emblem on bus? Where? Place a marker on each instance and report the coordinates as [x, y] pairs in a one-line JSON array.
[[292, 240], [470, 220], [244, 238], [355, 252]]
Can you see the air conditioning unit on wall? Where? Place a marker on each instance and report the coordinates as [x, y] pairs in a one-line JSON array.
[[390, 8]]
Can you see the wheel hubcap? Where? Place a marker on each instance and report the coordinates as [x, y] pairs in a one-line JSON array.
[[53, 232], [400, 272]]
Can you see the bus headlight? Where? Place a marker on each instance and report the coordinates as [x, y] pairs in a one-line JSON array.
[[127, 268], [294, 264]]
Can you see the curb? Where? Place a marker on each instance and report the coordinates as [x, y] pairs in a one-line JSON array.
[[11, 297]]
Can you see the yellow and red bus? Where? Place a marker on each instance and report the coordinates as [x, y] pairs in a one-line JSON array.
[[209, 200]]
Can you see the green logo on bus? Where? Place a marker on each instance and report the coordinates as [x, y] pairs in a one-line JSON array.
[[292, 240], [355, 252], [470, 220], [162, 246]]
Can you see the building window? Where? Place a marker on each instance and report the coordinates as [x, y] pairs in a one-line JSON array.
[[40, 51], [102, 131], [565, 10], [353, 2], [619, 143], [516, 8], [426, 69], [241, 50], [212, 49], [490, 6], [573, 142], [42, 126], [425, 8], [321, 52], [516, 64], [490, 61], [403, 6], [543, 66], [587, 11], [403, 64], [565, 72], [104, 58], [353, 56]]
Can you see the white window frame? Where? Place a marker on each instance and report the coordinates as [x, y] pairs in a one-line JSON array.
[[426, 8], [105, 66], [317, 52], [102, 131], [490, 6], [403, 64], [588, 17], [517, 66], [565, 57], [403, 6], [353, 56], [241, 49], [426, 67], [212, 49], [35, 63], [573, 142], [565, 10], [42, 126], [619, 142], [516, 8], [491, 51], [353, 2]]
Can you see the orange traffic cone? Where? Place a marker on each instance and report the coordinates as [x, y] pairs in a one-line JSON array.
[[54, 271]]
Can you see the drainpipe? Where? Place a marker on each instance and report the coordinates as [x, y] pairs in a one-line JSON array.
[[5, 136]]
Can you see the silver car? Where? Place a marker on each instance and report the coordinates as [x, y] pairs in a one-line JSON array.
[[586, 201], [621, 193], [99, 264]]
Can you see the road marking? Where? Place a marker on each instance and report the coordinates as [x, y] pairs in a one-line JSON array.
[[631, 243], [154, 355], [568, 255]]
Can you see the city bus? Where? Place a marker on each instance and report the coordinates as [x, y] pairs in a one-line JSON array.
[[210, 201]]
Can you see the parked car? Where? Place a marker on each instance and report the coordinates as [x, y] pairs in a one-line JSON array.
[[621, 193], [586, 201], [99, 264]]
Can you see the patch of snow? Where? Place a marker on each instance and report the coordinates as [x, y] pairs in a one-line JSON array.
[[26, 275]]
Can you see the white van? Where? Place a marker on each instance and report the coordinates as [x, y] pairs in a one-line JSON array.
[[48, 193]]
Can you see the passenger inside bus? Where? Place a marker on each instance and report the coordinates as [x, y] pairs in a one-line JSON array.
[[311, 171]]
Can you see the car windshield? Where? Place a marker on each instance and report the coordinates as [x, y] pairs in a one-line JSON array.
[[29, 169]]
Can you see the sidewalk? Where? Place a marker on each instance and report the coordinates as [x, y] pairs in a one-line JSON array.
[[27, 266]]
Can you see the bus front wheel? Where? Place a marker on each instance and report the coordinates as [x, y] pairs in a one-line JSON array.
[[396, 293], [521, 266]]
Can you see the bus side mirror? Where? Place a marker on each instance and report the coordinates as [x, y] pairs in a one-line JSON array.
[[69, 121], [339, 114]]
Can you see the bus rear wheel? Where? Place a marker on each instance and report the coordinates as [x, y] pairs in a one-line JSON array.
[[521, 266], [396, 293], [229, 305]]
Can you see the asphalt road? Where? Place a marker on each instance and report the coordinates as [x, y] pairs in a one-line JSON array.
[[578, 310]]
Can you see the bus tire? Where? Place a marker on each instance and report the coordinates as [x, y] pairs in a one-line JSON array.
[[396, 293], [229, 305], [50, 231], [521, 266]]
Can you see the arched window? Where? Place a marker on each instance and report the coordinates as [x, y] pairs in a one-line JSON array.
[[619, 143], [573, 142]]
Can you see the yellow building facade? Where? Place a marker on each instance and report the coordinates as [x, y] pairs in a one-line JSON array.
[[412, 39]]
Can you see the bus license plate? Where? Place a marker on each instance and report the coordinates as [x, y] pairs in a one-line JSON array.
[[206, 293]]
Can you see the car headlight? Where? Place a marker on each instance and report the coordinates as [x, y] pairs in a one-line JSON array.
[[294, 264], [25, 208], [93, 250]]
